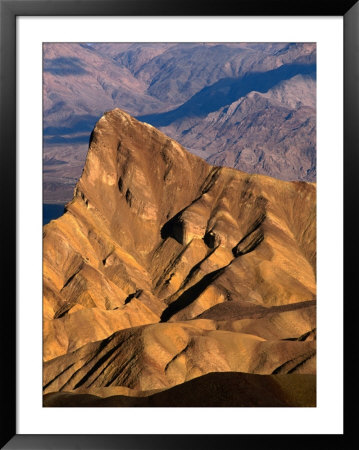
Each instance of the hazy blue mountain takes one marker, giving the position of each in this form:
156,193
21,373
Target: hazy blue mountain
192,91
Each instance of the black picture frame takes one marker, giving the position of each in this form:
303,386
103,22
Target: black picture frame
9,10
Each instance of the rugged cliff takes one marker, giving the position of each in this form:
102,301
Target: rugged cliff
165,268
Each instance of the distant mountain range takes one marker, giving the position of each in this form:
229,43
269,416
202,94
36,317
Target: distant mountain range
248,106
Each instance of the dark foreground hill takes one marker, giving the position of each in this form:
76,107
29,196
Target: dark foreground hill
212,390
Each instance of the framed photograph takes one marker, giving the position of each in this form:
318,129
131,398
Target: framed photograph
174,179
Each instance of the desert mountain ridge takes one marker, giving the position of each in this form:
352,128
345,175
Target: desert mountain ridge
165,268
191,92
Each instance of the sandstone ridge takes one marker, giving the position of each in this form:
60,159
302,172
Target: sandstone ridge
165,268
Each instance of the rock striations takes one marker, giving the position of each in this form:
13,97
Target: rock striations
164,269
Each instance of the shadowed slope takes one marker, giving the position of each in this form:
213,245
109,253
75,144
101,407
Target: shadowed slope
212,390
226,91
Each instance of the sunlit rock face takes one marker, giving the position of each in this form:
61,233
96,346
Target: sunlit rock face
165,268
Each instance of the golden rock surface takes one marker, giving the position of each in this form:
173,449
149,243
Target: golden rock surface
164,269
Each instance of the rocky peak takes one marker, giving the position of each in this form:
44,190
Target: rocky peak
155,238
